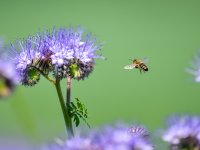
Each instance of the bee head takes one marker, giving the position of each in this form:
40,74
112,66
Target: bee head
132,59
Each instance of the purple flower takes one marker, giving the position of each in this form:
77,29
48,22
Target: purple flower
110,138
76,143
81,143
195,68
183,132
27,55
64,51
72,53
120,138
8,75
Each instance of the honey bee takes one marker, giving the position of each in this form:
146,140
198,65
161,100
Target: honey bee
137,63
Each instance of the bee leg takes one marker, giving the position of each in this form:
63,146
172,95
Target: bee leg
140,70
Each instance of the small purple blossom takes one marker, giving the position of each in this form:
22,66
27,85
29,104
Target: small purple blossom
183,132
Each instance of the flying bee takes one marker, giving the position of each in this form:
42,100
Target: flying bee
43,63
137,63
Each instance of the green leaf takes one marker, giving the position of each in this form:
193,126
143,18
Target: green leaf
76,120
77,111
73,105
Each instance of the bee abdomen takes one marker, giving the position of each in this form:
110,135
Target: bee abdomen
144,67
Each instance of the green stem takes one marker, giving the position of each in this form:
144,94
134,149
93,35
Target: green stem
65,111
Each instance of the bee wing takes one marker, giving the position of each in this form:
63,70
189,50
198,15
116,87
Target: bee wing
145,60
129,66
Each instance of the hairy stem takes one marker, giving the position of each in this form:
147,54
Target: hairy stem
65,111
68,96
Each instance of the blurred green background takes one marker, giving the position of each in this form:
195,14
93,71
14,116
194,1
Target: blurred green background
167,32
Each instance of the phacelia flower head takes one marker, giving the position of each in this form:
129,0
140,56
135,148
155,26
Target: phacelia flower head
195,67
183,133
8,75
28,57
72,53
120,138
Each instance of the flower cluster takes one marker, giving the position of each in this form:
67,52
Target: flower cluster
183,133
111,138
8,75
66,52
71,53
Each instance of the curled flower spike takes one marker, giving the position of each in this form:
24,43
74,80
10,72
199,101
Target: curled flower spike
30,60
138,131
72,53
183,133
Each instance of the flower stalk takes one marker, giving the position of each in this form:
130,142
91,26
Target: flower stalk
65,111
68,96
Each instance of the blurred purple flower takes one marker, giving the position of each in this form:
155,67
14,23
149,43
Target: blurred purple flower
111,138
76,143
183,132
15,144
120,138
8,74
